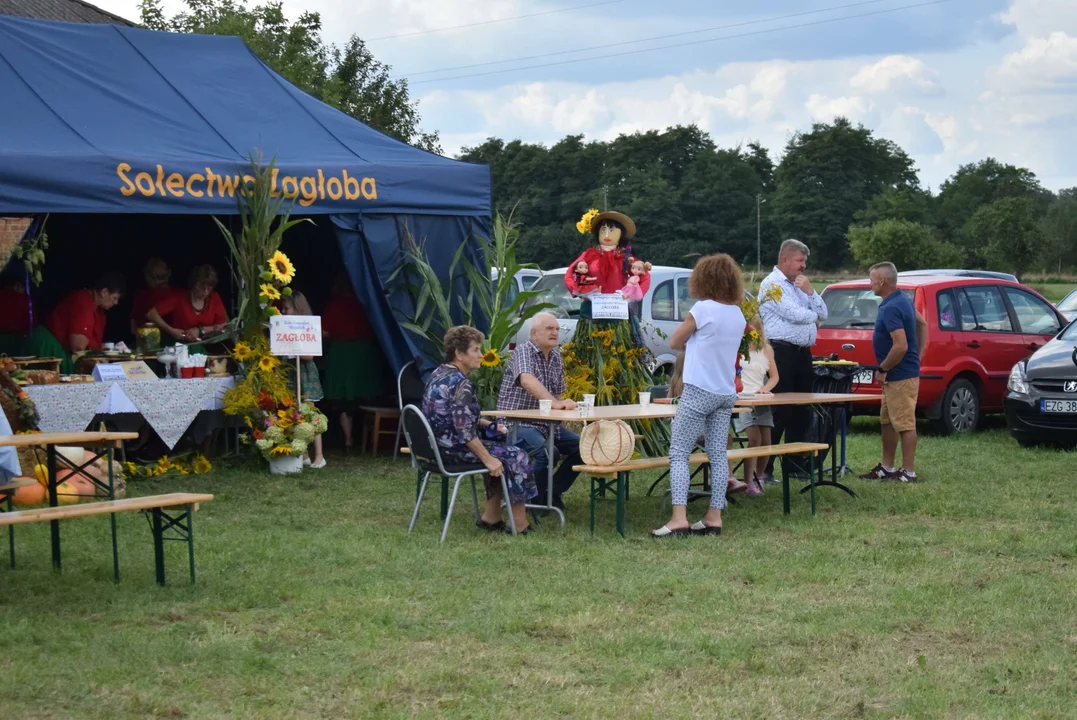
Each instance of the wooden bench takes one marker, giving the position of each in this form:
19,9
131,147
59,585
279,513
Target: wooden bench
616,477
173,511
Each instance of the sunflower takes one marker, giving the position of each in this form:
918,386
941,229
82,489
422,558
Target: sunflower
268,363
242,351
281,267
491,358
201,465
270,292
280,451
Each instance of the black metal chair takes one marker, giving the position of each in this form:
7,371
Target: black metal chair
409,391
427,459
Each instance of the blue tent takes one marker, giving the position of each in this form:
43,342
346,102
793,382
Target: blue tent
110,119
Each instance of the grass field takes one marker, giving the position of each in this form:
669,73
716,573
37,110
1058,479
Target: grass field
956,597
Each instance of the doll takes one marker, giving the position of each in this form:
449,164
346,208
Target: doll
584,280
632,289
612,233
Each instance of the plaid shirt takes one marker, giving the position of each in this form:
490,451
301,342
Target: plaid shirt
527,358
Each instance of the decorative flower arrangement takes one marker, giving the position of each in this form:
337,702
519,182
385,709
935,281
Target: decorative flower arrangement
487,379
197,464
584,225
264,399
275,283
752,340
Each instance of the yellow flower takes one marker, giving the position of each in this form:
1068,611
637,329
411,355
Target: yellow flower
491,358
584,225
607,341
268,363
281,267
242,351
270,292
201,465
620,349
280,451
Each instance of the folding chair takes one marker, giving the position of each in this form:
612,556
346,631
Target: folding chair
427,458
409,391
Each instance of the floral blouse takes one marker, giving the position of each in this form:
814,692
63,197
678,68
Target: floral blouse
450,405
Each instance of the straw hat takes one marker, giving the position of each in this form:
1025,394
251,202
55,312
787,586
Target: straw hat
624,220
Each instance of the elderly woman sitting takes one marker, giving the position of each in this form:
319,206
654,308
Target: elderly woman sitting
463,437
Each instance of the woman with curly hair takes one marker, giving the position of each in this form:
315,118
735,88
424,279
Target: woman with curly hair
710,338
463,436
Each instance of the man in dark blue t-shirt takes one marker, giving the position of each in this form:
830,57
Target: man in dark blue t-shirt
899,341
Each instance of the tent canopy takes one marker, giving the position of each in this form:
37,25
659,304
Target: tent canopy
109,119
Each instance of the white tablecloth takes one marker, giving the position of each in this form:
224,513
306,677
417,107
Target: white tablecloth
169,406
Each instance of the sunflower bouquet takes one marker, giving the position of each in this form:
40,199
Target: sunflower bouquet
487,379
752,339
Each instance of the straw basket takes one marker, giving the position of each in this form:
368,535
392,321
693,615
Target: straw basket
606,442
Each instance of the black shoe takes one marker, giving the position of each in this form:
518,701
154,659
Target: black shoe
490,527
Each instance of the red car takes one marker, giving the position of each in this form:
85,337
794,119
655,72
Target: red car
978,329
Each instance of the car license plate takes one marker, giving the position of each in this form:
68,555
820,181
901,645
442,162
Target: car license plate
864,377
1058,406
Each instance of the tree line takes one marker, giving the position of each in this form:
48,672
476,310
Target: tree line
854,198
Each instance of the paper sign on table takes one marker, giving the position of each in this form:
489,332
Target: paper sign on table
295,335
108,372
137,370
608,306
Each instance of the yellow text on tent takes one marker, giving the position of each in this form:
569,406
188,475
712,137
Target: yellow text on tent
306,189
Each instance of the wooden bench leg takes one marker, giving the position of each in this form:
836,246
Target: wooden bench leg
112,521
622,495
158,546
54,529
183,524
11,531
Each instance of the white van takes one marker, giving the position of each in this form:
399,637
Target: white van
664,307
525,278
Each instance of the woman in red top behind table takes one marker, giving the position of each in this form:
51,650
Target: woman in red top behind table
14,311
157,275
188,317
77,324
356,372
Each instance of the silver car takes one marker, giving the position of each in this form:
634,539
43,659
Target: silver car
664,307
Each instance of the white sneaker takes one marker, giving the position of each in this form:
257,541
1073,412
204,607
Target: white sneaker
318,465
306,461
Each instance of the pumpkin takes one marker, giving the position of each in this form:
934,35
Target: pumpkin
67,493
76,455
29,495
41,472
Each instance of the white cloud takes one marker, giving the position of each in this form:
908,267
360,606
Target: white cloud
1037,18
894,71
824,109
1047,62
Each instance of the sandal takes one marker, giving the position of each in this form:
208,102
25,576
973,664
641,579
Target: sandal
700,529
664,531
490,527
735,486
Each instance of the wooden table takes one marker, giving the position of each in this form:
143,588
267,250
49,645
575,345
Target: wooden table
110,440
651,411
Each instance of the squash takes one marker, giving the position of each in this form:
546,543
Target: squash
67,493
76,455
29,495
41,473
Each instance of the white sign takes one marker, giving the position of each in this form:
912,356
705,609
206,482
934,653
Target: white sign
608,306
108,372
295,335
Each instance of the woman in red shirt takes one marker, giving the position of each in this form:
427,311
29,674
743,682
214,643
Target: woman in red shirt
187,317
77,323
157,275
356,371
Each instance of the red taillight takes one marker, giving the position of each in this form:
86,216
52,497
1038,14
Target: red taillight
919,303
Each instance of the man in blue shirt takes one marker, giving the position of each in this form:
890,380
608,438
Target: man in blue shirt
899,341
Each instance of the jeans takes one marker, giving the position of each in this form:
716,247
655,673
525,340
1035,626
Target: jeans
567,446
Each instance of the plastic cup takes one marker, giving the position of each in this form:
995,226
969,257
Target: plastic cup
545,406
199,372
186,372
644,398
589,400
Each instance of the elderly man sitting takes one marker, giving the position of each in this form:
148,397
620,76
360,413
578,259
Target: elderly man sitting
536,372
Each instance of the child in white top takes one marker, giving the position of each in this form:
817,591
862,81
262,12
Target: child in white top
758,376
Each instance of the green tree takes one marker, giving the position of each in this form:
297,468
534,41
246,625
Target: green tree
909,245
1060,231
1010,231
826,176
908,203
976,185
349,78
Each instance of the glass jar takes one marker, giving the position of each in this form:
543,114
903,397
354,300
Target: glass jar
148,339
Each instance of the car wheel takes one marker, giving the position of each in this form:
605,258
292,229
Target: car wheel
960,408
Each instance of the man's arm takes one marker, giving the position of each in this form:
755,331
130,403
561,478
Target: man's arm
921,335
537,390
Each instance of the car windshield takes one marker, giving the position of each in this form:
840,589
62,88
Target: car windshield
1069,303
1070,333
551,289
852,307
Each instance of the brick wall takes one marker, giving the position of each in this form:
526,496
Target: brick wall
11,231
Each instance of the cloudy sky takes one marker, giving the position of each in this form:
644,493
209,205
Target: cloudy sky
951,81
